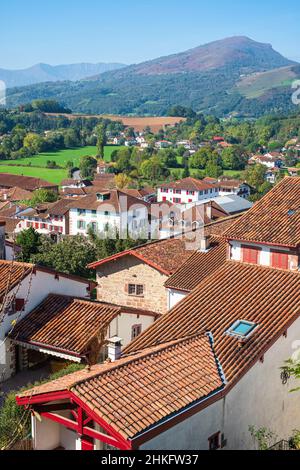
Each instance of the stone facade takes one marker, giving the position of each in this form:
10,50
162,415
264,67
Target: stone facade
113,279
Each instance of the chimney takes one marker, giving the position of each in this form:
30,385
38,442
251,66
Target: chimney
204,243
209,210
114,348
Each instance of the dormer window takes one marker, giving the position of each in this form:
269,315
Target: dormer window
102,196
242,329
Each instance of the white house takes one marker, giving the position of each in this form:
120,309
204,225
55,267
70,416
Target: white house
47,219
187,191
109,210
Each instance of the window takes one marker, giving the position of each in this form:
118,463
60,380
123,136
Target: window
178,191
94,213
81,211
214,442
107,213
136,331
279,260
81,225
136,289
190,193
15,306
242,329
177,200
164,190
250,254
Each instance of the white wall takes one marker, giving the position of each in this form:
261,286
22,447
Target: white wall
122,325
265,255
174,297
187,198
46,434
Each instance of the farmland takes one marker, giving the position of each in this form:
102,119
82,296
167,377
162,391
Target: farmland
36,166
138,123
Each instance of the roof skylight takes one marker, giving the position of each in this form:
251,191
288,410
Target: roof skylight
242,329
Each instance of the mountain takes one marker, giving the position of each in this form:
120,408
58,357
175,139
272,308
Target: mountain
48,73
232,76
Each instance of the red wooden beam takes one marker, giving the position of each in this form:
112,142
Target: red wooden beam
53,408
44,398
99,436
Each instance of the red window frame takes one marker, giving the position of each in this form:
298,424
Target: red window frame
250,254
279,260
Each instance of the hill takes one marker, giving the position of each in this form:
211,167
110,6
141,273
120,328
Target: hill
47,73
210,78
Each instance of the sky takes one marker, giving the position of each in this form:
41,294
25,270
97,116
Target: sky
132,31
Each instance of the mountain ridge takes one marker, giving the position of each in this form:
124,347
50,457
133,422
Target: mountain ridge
42,72
205,78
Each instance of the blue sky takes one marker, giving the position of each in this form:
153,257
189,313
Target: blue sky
130,31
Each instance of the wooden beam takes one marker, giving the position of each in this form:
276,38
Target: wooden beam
99,436
55,407
68,423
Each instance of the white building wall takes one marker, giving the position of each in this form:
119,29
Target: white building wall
122,325
185,197
265,254
259,399
46,434
174,297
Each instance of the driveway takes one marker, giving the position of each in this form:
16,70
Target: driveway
22,379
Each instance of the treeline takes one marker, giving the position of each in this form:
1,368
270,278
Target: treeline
26,133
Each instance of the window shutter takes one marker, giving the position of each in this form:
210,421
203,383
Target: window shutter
280,260
250,255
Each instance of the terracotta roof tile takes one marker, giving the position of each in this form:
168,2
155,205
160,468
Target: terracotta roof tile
141,390
199,266
190,184
8,180
237,291
11,273
275,219
65,323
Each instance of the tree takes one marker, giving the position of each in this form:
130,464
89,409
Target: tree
87,166
29,242
255,176
232,159
153,169
33,142
122,181
100,131
212,170
70,256
42,196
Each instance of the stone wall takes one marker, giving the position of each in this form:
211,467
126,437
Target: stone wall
114,277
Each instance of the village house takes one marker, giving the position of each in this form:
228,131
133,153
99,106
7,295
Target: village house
105,211
163,144
270,160
229,186
211,367
137,277
187,190
15,195
23,287
47,219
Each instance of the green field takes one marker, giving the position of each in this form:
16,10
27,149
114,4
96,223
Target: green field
61,158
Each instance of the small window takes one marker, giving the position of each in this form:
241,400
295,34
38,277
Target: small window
136,289
250,254
214,441
242,329
280,260
136,331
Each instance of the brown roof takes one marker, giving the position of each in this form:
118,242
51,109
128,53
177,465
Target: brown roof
237,291
140,193
275,219
91,202
11,273
199,266
189,184
168,255
66,324
15,194
7,180
139,391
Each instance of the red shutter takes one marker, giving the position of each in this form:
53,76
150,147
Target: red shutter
250,255
280,260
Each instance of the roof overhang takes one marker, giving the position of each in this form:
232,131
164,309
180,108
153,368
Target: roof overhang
50,350
256,242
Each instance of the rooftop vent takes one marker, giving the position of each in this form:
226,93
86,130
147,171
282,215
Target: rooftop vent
242,329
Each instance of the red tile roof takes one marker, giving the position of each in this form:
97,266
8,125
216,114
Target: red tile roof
8,180
237,291
91,202
168,255
199,266
11,274
70,325
275,219
139,391
189,184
